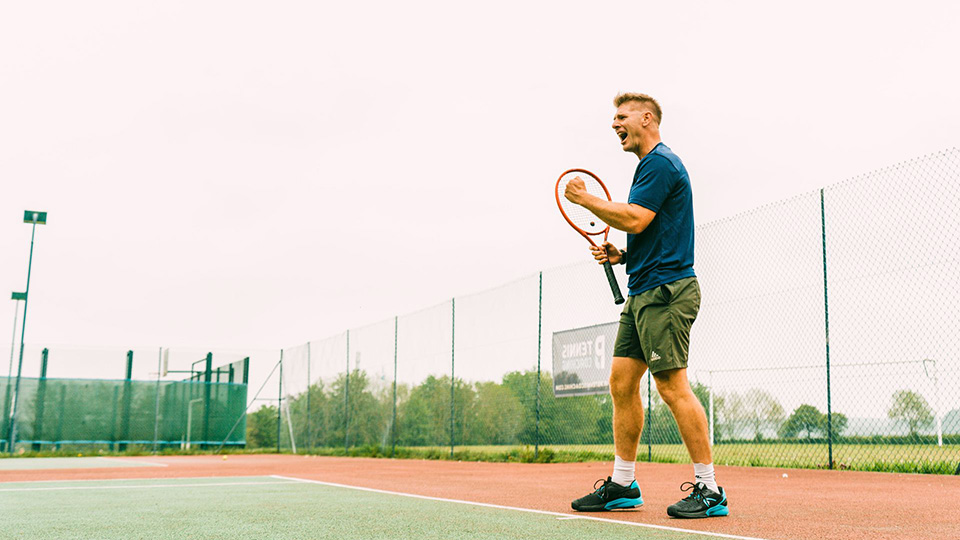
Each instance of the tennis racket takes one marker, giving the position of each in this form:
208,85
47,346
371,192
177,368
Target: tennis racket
584,221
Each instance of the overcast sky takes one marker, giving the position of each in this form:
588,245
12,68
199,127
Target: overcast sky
258,174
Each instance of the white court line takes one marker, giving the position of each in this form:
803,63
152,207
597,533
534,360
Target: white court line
154,486
147,463
531,510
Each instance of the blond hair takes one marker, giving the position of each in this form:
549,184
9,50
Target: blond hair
639,98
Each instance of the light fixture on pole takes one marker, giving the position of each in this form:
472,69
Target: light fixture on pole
36,218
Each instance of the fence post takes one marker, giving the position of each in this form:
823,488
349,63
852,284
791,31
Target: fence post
156,407
309,440
453,384
393,425
41,401
346,402
280,402
113,423
826,322
536,439
63,407
127,399
650,423
206,399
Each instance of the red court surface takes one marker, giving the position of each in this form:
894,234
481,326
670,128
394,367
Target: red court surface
807,504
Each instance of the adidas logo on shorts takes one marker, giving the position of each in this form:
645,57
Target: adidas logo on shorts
654,356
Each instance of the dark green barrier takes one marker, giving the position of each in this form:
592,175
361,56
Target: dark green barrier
57,412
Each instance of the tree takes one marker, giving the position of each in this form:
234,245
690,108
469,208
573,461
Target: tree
838,424
910,408
762,409
805,419
730,414
424,417
499,415
523,386
262,427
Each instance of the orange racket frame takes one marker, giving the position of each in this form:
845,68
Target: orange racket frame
607,267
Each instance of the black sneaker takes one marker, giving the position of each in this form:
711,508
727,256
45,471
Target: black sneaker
609,496
702,502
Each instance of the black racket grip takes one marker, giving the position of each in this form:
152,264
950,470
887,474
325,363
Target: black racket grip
614,286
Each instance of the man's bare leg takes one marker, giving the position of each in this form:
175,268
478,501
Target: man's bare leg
620,491
625,375
675,390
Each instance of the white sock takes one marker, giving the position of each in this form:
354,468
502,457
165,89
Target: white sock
623,471
704,473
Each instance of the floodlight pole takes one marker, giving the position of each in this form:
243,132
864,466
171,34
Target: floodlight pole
34,218
17,297
13,338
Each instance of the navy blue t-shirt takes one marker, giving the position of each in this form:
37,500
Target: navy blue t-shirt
663,252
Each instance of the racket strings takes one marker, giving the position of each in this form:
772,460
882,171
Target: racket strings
582,218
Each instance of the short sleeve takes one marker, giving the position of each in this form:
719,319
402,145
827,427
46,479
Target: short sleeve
655,179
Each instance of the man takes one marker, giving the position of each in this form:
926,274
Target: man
655,324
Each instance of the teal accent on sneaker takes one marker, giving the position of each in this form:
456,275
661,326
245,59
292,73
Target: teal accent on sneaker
717,511
625,502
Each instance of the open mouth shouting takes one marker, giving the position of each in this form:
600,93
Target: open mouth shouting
623,136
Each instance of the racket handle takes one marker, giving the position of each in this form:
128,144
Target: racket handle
614,286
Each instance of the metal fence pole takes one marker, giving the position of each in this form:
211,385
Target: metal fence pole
650,423
309,440
115,413
453,343
41,401
156,409
207,389
826,322
393,425
536,440
346,402
280,402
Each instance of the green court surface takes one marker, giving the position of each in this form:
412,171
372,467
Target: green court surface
277,508
27,464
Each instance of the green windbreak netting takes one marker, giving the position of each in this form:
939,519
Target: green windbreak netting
118,413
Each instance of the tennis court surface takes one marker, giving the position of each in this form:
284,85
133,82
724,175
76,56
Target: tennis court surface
287,496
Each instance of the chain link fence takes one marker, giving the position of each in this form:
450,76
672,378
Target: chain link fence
827,337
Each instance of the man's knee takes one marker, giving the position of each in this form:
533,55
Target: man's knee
672,385
622,390
625,379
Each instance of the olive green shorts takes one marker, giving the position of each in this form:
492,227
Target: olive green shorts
655,325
